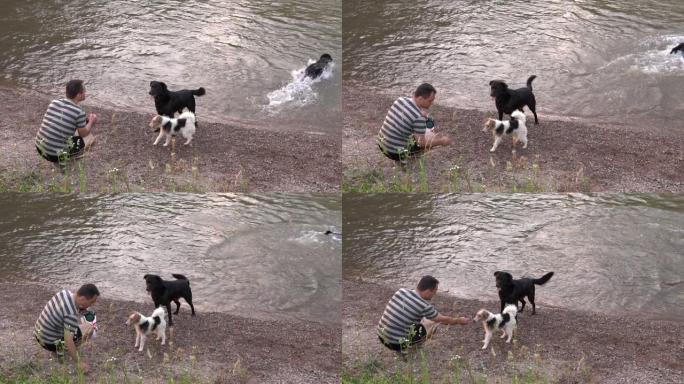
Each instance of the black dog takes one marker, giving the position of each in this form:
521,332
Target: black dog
679,48
165,291
169,102
508,100
316,69
511,291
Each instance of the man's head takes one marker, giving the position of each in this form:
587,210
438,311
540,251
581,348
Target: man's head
75,90
86,296
424,95
427,287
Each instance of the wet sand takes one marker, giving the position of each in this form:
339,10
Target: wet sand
211,347
221,158
562,154
566,346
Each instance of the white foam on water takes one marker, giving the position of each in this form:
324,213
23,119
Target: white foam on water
655,58
310,237
299,91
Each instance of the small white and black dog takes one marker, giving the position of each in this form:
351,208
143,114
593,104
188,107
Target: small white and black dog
144,326
183,125
515,127
505,321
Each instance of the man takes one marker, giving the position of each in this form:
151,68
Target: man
58,328
403,323
65,132
407,129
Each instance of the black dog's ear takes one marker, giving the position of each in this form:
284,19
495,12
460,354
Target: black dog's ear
145,277
163,86
497,273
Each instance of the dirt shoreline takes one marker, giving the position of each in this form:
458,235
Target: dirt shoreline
565,345
212,347
221,158
562,155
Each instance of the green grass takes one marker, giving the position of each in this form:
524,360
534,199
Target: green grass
111,371
516,175
72,177
30,374
168,366
519,367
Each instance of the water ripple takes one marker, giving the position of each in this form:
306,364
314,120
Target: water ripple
609,252
593,59
273,243
229,47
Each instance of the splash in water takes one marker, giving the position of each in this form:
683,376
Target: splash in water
651,57
319,237
299,91
657,59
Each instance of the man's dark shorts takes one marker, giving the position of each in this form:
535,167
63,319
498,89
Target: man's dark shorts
412,150
59,345
419,337
74,151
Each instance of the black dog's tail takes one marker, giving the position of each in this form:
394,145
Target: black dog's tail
181,277
541,281
529,81
199,91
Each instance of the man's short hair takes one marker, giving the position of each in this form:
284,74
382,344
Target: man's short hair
73,88
424,90
427,282
88,291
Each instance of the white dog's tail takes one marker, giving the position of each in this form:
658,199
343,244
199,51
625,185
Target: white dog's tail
187,114
519,115
161,312
511,310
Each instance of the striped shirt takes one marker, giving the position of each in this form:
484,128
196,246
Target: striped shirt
405,308
60,123
59,314
402,121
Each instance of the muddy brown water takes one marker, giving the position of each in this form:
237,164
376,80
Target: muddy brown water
610,253
603,61
261,256
248,55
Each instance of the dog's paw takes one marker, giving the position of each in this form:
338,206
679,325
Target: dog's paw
492,150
